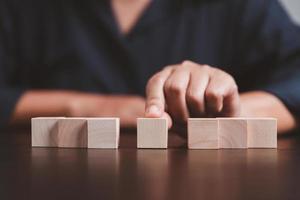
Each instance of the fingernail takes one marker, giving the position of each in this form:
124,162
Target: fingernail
153,110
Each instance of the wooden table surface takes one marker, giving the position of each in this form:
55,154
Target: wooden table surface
129,173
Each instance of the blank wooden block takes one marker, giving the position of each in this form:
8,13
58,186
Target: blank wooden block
44,131
152,133
203,133
72,132
262,133
232,133
103,133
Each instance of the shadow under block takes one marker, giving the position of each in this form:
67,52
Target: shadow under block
262,133
152,133
44,131
72,132
103,133
203,133
232,133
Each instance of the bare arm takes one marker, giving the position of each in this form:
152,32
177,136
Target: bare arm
77,104
263,104
128,108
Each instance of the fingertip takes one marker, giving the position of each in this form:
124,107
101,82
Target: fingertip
153,111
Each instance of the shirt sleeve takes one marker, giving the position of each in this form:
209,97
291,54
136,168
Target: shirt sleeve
10,92
271,41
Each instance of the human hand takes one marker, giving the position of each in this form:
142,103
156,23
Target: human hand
191,90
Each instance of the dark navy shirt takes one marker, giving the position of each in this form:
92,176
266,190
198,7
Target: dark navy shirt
77,45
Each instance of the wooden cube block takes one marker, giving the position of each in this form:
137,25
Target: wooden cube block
152,133
103,133
44,131
262,133
203,133
72,132
232,133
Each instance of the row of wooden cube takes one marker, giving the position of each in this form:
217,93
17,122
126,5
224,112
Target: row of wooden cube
203,133
232,133
212,133
94,132
75,132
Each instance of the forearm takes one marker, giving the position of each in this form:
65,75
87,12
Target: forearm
263,104
42,103
77,104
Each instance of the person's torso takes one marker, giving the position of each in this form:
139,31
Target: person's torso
76,44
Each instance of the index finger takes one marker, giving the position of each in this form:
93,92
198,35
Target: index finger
155,98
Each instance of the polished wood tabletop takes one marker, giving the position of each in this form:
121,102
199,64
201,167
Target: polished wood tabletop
130,173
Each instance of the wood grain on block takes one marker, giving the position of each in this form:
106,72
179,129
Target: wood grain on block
262,133
232,133
44,131
72,132
203,133
103,133
152,133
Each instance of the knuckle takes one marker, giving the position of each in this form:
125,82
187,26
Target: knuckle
187,62
235,88
157,78
174,88
215,72
230,79
168,67
194,99
224,75
195,66
206,69
213,95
